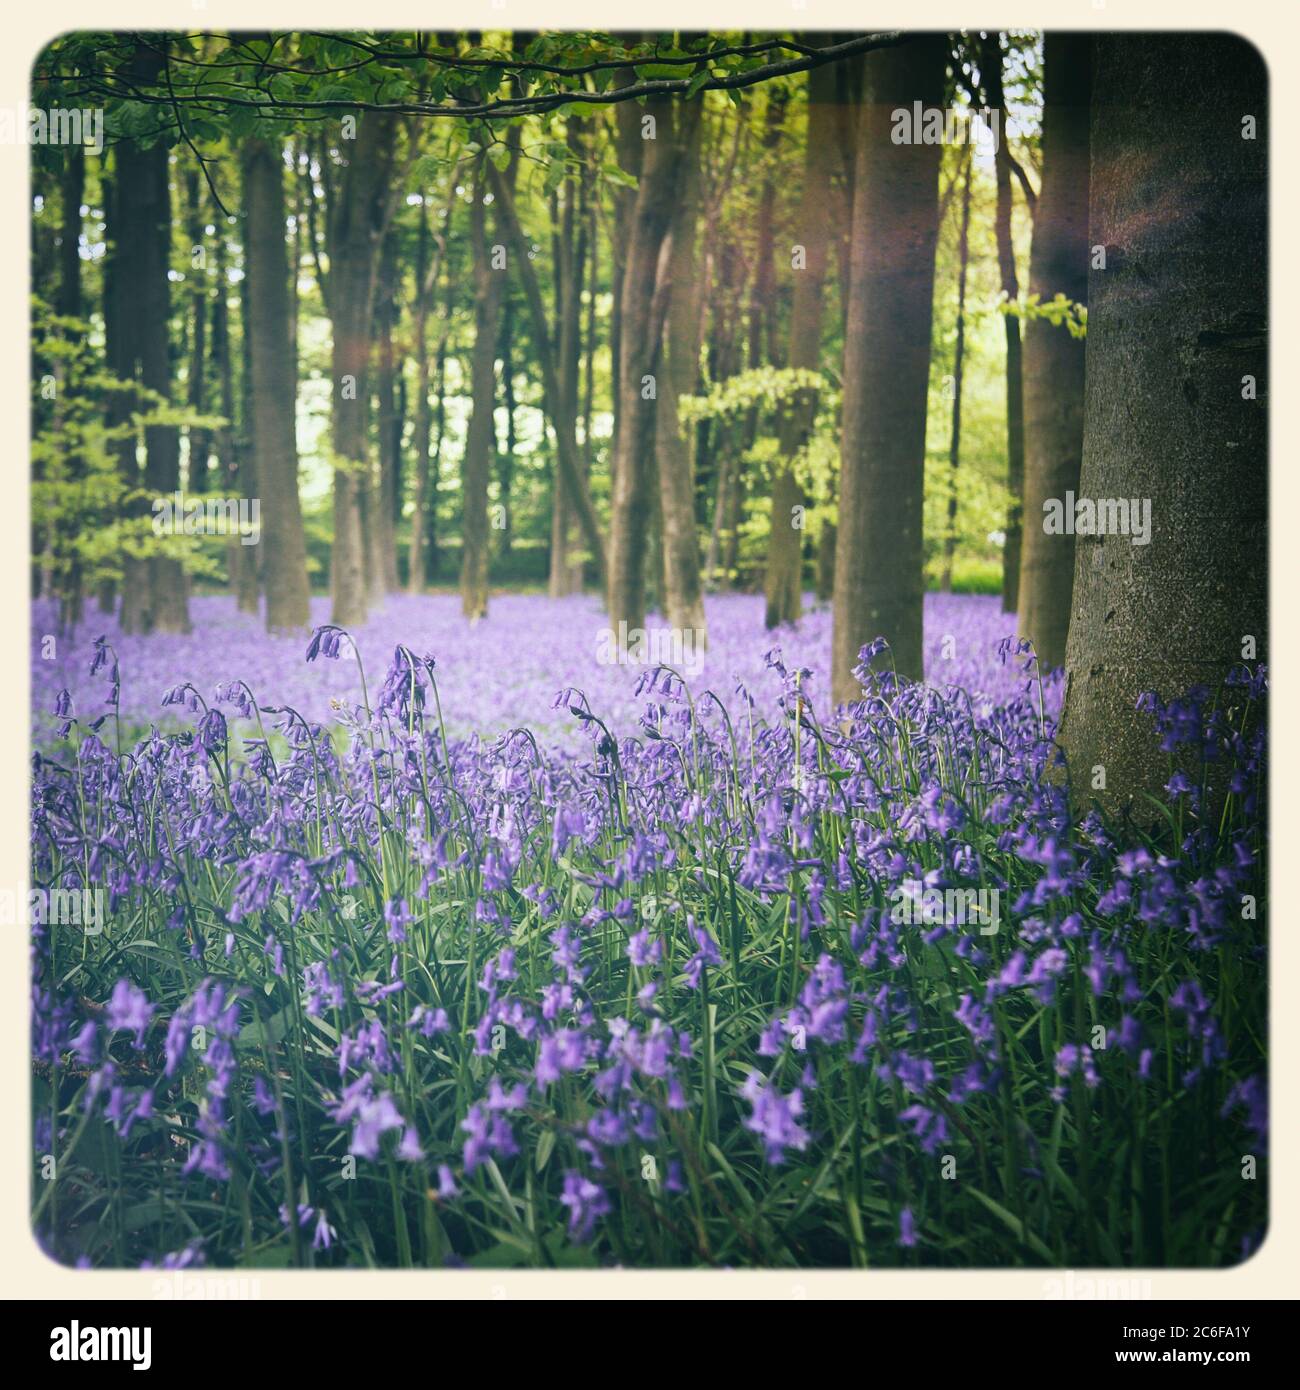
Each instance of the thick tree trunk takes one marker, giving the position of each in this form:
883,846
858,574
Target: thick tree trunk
1175,415
1054,358
354,232
269,327
682,598
958,374
154,595
784,576
633,499
991,65
480,436
878,555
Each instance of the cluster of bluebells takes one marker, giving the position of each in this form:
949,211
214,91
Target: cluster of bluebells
457,961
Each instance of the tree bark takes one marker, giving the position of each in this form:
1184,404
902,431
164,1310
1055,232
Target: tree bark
958,373
633,499
358,212
783,581
269,327
480,436
991,71
565,571
154,597
878,555
1054,359
682,598
388,420
1177,352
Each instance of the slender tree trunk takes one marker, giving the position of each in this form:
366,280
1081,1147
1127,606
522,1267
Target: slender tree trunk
633,499
383,545
879,582
480,436
269,328
426,272
958,373
245,562
1054,358
565,571
1175,413
199,439
783,580
991,65
682,595
72,189
505,449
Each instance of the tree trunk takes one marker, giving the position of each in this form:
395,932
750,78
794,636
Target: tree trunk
388,419
269,327
72,187
633,502
783,581
682,598
1054,358
958,372
1177,352
154,597
199,440
565,571
245,562
354,231
480,436
991,71
505,449
879,582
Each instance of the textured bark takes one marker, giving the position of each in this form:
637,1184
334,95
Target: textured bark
358,211
682,598
388,420
269,327
1054,360
245,560
199,440
428,265
1176,320
480,436
783,581
958,375
72,184
991,66
566,571
878,554
633,499
154,591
